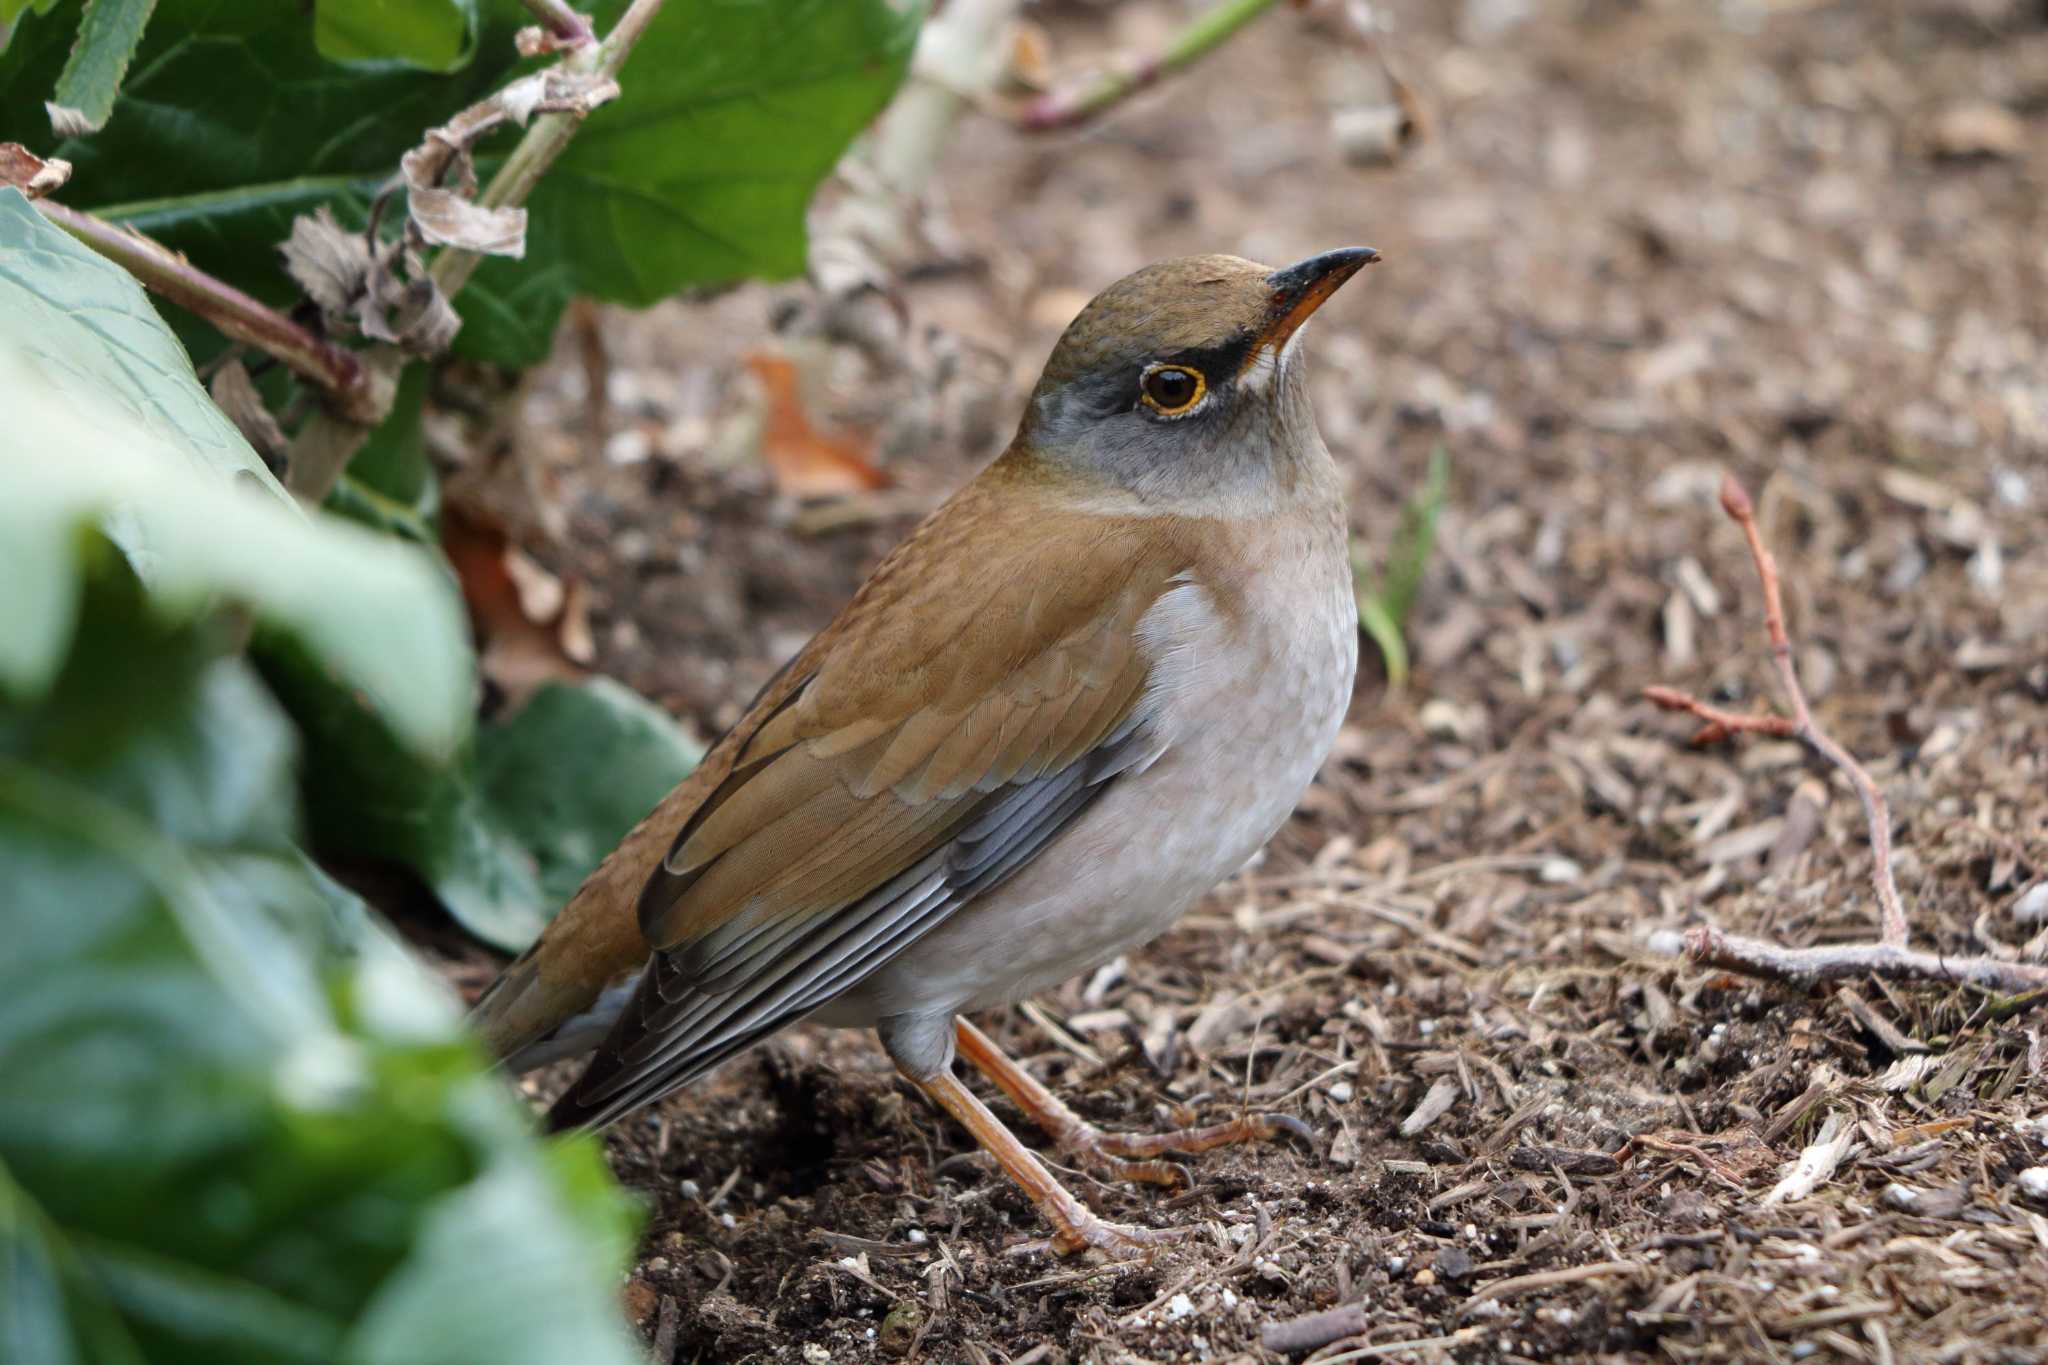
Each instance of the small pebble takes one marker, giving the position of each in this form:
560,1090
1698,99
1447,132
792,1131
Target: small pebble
1179,1306
2033,1182
1425,1277
1341,1092
630,446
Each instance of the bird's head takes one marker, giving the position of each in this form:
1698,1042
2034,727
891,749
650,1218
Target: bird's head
1182,382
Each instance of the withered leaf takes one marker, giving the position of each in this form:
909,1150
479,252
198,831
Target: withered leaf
33,175
329,262
234,393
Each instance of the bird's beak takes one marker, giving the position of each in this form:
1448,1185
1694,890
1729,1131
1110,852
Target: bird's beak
1301,288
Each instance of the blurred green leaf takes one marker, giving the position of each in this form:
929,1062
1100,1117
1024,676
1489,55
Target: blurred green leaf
110,430
1384,602
236,1121
391,485
506,833
107,38
576,768
434,35
232,122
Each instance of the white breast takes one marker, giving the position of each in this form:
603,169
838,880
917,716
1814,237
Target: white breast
1247,707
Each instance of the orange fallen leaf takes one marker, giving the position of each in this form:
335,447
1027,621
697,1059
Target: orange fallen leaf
527,632
806,463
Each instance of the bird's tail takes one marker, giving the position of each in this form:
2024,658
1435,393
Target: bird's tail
552,992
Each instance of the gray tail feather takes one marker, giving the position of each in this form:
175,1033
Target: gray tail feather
579,1035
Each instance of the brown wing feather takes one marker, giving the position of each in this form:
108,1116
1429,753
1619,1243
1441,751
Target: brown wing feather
937,735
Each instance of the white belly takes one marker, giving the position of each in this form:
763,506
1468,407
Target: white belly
1248,711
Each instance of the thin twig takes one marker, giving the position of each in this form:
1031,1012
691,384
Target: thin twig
545,140
1313,1331
1204,34
1889,957
1517,1285
333,369
1712,948
566,27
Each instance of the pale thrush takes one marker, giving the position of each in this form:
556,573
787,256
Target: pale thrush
1085,690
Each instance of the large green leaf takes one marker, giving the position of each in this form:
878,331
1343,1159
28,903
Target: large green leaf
107,39
231,122
108,429
236,1122
434,35
506,833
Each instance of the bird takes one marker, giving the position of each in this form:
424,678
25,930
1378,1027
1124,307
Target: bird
1087,688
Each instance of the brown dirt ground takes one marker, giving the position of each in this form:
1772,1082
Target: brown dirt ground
1641,243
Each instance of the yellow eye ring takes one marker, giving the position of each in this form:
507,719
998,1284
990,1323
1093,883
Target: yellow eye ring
1172,390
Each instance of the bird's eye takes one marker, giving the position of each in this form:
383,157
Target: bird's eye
1172,390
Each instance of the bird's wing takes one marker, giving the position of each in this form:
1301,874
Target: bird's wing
975,697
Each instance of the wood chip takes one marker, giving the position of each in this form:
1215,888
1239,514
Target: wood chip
1817,1163
1877,1026
1434,1106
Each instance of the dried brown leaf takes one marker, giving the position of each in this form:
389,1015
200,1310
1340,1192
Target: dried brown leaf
33,175
330,263
235,394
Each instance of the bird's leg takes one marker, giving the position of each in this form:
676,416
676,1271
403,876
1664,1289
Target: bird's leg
1075,1227
1120,1156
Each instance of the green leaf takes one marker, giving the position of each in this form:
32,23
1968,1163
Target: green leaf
434,35
505,834
1383,605
231,122
575,769
109,430
391,485
700,173
10,10
107,39
1385,632
240,1123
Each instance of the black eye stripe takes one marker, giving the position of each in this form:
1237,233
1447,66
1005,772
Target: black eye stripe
1220,362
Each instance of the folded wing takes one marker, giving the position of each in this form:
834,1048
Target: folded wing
934,740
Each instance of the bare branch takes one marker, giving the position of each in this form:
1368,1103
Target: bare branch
1889,957
332,369
1754,957
547,138
1204,34
562,29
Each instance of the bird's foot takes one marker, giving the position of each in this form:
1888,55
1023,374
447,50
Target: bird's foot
1139,1157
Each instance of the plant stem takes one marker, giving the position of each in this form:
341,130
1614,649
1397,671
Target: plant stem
545,140
1203,35
328,441
333,369
568,27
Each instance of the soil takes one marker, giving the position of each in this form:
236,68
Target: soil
1636,245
